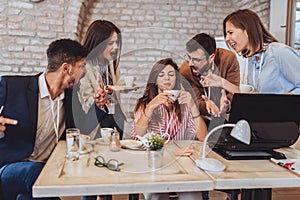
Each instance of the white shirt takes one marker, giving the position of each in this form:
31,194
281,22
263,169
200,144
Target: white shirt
49,127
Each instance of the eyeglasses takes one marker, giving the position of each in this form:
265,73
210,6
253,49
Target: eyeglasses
112,164
188,58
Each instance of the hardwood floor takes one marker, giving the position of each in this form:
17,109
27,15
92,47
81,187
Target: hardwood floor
286,194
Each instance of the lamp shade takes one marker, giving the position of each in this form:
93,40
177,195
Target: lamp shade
241,131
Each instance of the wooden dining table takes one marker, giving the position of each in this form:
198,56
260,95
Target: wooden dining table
64,177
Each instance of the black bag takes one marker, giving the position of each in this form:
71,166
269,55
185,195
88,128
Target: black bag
264,136
274,122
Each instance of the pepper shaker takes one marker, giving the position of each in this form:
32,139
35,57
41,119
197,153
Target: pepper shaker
115,144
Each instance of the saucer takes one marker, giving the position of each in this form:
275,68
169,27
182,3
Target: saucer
124,88
101,141
131,144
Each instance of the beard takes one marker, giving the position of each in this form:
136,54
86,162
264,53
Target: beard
205,68
202,71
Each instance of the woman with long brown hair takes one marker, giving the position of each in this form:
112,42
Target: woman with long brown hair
273,67
104,42
160,111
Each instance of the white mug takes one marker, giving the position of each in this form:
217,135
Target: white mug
175,94
106,133
129,80
246,88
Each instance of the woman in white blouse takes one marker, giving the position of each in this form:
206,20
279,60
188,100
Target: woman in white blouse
103,41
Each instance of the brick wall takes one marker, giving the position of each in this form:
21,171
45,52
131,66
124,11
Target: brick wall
151,30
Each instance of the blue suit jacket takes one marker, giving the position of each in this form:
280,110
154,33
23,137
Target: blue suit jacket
19,95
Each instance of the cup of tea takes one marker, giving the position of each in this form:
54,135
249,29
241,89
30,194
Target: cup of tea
245,88
129,80
106,133
175,94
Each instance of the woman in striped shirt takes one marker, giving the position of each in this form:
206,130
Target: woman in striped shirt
157,110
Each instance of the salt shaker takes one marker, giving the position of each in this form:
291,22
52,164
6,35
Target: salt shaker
115,144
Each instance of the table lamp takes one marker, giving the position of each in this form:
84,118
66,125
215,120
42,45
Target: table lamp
241,131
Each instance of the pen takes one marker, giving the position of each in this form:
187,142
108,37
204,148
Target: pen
1,109
287,165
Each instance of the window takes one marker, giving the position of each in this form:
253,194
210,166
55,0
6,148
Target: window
297,27
293,24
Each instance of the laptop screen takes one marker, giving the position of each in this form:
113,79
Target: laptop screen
265,108
273,118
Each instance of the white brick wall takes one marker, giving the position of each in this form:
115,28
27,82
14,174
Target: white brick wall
151,29
27,28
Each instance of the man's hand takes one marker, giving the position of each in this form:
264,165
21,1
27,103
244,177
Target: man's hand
224,102
211,107
4,121
211,80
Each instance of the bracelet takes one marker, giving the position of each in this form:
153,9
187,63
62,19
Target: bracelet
194,117
148,118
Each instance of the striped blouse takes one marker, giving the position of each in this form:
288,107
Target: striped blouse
162,121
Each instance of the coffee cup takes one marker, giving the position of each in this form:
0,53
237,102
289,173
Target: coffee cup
246,88
175,94
106,133
129,81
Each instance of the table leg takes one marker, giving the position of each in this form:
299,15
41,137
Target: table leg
231,194
106,197
205,195
133,197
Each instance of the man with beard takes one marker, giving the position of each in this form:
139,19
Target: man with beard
202,59
35,111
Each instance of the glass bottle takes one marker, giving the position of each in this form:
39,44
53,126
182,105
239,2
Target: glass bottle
115,144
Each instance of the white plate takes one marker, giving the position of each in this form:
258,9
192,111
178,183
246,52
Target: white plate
124,88
101,141
131,143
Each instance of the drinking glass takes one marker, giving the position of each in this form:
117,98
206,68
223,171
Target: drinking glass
72,137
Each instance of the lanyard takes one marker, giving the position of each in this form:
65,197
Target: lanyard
209,71
257,71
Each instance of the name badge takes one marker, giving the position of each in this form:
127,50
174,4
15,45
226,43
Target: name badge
111,108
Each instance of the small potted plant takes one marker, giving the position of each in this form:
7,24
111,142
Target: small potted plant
155,146
155,142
